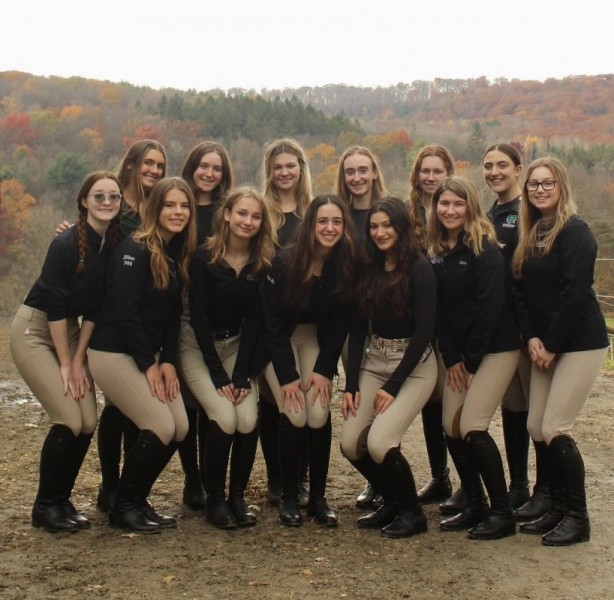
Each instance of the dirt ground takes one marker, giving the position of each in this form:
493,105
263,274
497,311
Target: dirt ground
197,561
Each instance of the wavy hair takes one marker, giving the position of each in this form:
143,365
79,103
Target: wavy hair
302,252
129,168
261,246
416,196
150,235
193,160
476,227
378,287
303,191
533,227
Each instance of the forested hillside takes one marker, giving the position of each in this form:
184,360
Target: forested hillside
53,130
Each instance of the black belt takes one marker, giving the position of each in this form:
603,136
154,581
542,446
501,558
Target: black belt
224,335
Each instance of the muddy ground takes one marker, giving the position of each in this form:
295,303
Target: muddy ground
197,561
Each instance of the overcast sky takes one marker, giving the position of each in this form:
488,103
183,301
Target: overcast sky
187,44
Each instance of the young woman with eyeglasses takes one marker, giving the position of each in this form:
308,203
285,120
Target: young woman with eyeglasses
565,333
133,348
478,345
306,295
49,347
387,386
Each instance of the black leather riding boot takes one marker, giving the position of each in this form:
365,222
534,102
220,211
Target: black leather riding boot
241,464
516,438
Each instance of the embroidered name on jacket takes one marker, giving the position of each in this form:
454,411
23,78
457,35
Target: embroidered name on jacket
128,260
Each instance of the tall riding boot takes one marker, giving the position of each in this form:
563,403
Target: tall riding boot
193,490
516,438
216,465
155,468
385,514
303,474
558,502
73,466
131,434
439,488
575,526
410,519
203,430
268,429
290,444
110,431
539,502
476,507
485,455
55,453
135,482
241,464
319,458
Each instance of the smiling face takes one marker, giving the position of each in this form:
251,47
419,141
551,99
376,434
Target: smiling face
543,200
451,212
152,168
382,232
359,175
432,171
100,213
175,214
329,226
244,218
286,172
501,174
209,172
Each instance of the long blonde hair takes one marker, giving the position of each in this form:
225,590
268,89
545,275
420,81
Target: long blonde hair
149,233
262,245
533,227
476,227
303,192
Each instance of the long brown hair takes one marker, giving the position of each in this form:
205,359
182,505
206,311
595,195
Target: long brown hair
262,246
301,255
379,187
149,233
193,160
416,195
113,231
533,226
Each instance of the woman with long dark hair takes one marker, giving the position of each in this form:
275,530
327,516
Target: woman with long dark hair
306,294
49,347
387,385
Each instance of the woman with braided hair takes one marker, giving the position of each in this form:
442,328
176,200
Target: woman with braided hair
49,347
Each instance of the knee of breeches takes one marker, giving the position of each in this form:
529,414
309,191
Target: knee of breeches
296,419
549,433
167,432
348,449
378,449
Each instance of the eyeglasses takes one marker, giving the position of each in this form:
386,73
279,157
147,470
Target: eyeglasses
547,185
100,197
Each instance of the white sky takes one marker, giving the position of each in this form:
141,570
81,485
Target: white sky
259,44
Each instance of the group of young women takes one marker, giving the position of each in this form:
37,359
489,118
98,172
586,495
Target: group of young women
211,315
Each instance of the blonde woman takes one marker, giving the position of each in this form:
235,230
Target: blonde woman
565,333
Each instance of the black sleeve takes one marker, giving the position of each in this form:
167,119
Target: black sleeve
490,290
578,249
359,326
450,354
56,277
424,293
336,333
200,322
278,339
170,343
521,311
131,266
250,331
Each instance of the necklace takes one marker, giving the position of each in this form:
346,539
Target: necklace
237,265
